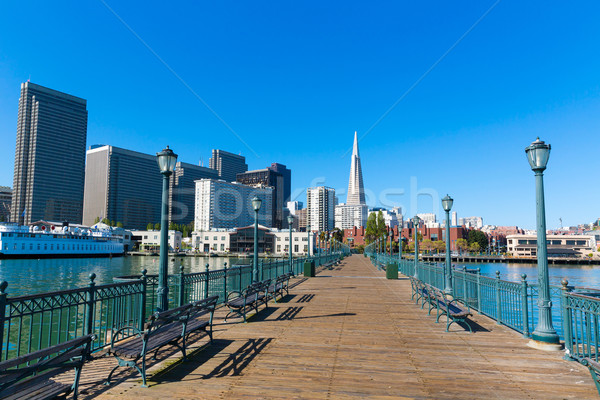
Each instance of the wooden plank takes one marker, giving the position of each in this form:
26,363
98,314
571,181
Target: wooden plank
351,334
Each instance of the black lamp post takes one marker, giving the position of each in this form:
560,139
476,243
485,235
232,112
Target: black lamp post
166,163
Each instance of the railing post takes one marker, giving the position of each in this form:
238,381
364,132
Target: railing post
144,299
181,286
478,290
239,280
3,287
498,305
89,305
261,273
525,310
566,319
465,284
206,281
225,282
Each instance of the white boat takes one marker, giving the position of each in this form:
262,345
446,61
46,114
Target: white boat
17,241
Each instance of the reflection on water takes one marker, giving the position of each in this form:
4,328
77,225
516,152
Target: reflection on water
578,275
46,275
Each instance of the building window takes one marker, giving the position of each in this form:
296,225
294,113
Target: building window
214,238
205,237
570,242
222,237
279,248
295,248
296,239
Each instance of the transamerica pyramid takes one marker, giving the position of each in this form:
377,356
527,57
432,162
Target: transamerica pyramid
356,191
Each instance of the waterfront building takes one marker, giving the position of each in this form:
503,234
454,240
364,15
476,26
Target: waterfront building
268,178
392,217
471,222
49,156
241,240
320,208
5,200
350,216
150,240
227,164
558,245
356,190
182,194
221,204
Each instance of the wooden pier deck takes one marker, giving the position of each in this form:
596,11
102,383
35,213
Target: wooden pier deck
351,334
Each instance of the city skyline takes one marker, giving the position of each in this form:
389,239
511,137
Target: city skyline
461,130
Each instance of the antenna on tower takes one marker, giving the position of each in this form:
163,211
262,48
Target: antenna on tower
560,219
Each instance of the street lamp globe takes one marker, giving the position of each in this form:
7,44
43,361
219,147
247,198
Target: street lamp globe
537,155
166,161
256,203
290,219
416,221
447,203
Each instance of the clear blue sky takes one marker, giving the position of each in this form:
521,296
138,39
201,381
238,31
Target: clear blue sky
294,80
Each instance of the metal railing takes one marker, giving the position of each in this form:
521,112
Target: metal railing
575,311
34,322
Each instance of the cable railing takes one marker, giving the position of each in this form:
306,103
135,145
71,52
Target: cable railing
34,322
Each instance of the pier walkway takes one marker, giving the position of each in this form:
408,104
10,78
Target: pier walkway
350,333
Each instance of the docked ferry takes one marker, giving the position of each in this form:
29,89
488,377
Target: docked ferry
51,241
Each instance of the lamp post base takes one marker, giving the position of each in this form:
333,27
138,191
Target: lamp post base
539,345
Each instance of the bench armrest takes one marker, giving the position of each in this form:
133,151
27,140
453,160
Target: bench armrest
115,335
234,295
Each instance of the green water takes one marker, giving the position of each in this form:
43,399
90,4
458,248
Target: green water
46,275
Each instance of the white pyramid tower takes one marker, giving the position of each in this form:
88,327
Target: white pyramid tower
356,191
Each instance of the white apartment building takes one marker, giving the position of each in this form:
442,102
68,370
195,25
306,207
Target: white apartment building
150,240
453,219
221,204
471,222
274,241
558,245
391,217
350,216
429,220
320,208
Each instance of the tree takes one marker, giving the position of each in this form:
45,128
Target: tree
112,222
426,245
462,244
173,226
157,226
338,235
381,228
439,246
479,237
96,220
150,226
105,221
371,231
119,225
474,247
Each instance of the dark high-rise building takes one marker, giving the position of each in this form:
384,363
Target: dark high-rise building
123,186
287,179
268,178
126,186
228,165
5,200
49,156
183,191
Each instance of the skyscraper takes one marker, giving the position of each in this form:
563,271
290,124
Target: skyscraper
227,164
320,208
356,191
268,178
287,179
49,156
126,186
229,205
